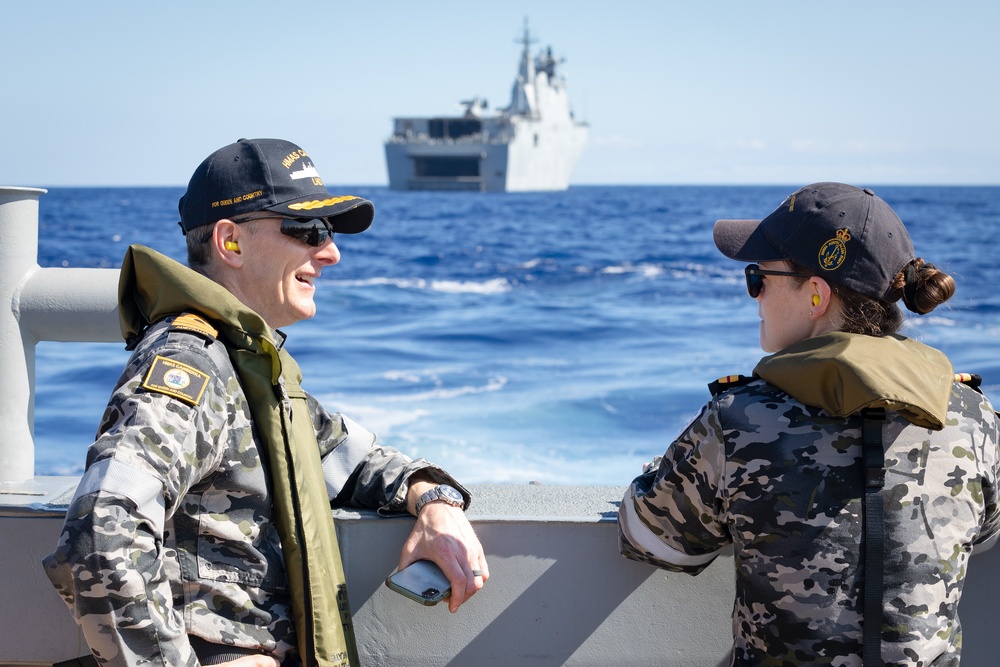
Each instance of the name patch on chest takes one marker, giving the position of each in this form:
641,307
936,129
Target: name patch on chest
173,378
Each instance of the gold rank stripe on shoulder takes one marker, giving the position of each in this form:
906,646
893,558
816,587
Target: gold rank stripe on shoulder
970,379
173,378
191,322
728,382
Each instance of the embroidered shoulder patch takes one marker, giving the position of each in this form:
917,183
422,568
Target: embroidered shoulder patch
191,322
173,378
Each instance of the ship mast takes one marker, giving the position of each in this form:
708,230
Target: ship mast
527,70
522,94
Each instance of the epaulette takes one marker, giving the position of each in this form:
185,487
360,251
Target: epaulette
192,322
974,381
175,378
970,379
727,382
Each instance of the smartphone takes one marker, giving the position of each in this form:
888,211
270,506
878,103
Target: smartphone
422,581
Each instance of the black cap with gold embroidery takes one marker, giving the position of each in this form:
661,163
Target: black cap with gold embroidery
840,233
267,175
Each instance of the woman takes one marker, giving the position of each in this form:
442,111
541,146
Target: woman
773,464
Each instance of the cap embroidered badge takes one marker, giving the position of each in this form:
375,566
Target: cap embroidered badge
833,253
267,175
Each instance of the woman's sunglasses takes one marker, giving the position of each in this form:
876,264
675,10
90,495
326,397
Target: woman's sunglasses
312,231
755,278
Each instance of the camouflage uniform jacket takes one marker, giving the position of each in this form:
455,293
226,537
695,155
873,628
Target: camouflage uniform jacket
170,533
781,480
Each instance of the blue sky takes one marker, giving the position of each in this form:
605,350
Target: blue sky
138,93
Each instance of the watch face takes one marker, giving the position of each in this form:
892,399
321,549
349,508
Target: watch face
451,493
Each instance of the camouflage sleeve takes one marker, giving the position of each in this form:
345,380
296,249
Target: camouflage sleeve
669,516
989,535
360,472
110,564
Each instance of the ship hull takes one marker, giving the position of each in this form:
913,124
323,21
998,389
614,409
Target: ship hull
537,158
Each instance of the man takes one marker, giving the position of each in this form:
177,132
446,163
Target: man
201,532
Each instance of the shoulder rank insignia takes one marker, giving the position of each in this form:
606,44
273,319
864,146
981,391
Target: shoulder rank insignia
173,378
970,379
727,382
192,322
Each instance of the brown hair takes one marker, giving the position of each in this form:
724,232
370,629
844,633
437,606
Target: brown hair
921,286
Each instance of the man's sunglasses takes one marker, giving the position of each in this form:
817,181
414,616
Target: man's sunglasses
755,278
312,231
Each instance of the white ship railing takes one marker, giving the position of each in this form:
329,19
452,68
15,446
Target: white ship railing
559,594
45,304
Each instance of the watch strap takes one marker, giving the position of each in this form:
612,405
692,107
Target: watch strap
442,492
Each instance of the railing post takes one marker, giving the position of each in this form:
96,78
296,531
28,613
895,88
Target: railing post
18,257
68,305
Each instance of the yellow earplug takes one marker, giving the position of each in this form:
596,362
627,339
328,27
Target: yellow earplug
232,245
815,299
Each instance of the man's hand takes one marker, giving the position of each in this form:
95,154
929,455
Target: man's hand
444,535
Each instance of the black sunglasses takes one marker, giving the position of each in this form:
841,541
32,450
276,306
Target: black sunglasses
755,278
312,231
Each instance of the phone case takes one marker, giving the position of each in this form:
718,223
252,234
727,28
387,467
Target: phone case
422,581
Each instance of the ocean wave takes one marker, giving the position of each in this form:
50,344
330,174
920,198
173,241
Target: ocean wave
493,384
511,462
913,322
540,362
644,270
402,376
376,419
432,374
492,286
673,270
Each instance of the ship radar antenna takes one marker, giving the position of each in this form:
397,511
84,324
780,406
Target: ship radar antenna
526,38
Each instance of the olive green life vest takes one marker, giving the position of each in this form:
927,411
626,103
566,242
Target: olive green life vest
153,286
845,373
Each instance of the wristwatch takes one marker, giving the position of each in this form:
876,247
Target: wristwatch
442,492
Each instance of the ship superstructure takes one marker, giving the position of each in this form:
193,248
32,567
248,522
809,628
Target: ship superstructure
532,144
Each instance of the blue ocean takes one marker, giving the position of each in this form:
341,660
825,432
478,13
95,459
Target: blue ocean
563,338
